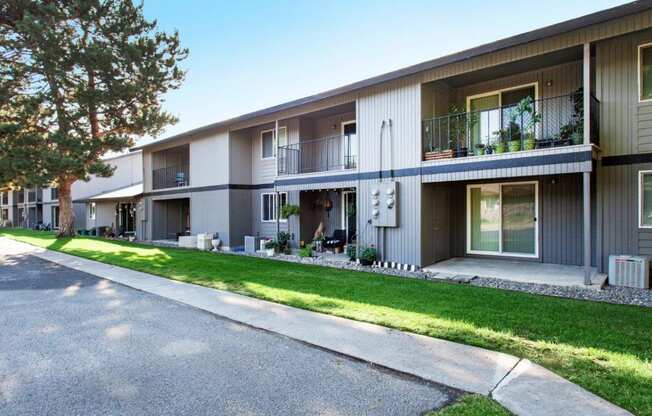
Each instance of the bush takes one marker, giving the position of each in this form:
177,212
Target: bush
368,256
271,244
306,251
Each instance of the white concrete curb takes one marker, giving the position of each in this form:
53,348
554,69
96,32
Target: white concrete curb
522,387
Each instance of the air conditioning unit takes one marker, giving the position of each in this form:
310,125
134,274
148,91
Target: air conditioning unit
630,271
251,243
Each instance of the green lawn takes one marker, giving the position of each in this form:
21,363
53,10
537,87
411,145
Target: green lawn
472,405
605,348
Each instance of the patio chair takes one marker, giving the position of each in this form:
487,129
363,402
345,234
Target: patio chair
338,239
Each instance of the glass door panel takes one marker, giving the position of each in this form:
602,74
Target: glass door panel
484,118
518,218
485,218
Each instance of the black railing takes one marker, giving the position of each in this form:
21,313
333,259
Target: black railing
320,155
170,177
530,124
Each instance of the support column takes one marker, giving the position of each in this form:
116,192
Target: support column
586,84
587,226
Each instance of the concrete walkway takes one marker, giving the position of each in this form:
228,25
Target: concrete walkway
521,386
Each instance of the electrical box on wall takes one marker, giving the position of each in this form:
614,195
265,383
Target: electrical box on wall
384,204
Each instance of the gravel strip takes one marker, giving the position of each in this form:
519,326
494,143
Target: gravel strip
610,294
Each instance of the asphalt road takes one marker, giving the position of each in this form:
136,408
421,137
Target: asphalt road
73,344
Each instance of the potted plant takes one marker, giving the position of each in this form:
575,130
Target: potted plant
478,149
530,142
489,149
577,137
270,248
525,112
514,145
351,251
368,256
500,147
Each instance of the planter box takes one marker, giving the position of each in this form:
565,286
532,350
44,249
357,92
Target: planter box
444,154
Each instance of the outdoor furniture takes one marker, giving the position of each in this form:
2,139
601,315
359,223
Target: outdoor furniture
337,240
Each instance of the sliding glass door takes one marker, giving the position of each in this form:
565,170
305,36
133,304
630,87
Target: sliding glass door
502,219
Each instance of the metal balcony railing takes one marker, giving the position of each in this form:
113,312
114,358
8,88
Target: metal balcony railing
319,155
171,177
530,124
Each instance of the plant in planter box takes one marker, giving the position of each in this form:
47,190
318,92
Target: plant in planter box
479,149
368,256
577,137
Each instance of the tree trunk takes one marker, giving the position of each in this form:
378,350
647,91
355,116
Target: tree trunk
66,213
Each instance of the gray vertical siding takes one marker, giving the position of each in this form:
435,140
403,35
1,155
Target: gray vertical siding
625,128
402,243
240,217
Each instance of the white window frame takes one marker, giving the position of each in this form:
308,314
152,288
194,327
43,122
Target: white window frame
639,73
92,210
500,251
275,210
274,142
641,173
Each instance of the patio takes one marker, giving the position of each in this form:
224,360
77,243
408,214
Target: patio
517,271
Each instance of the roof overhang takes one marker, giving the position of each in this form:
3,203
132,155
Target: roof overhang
127,193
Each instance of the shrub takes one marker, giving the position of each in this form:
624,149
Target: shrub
283,240
306,251
368,256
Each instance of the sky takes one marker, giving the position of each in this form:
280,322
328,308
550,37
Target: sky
246,55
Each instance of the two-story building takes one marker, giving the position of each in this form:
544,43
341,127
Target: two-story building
536,147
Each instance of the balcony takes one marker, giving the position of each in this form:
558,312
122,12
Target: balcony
319,155
528,125
171,177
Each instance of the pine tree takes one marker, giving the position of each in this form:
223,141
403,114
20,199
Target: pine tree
78,79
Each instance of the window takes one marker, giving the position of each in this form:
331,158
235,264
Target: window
269,143
645,199
54,194
645,72
502,219
5,215
93,210
268,206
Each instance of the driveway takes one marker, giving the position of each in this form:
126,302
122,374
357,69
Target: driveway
71,343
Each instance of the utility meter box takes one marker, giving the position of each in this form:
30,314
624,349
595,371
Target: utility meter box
384,204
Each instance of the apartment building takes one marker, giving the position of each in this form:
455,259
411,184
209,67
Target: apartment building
109,203
537,147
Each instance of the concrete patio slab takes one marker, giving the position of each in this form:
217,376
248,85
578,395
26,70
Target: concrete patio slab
460,366
531,389
517,271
